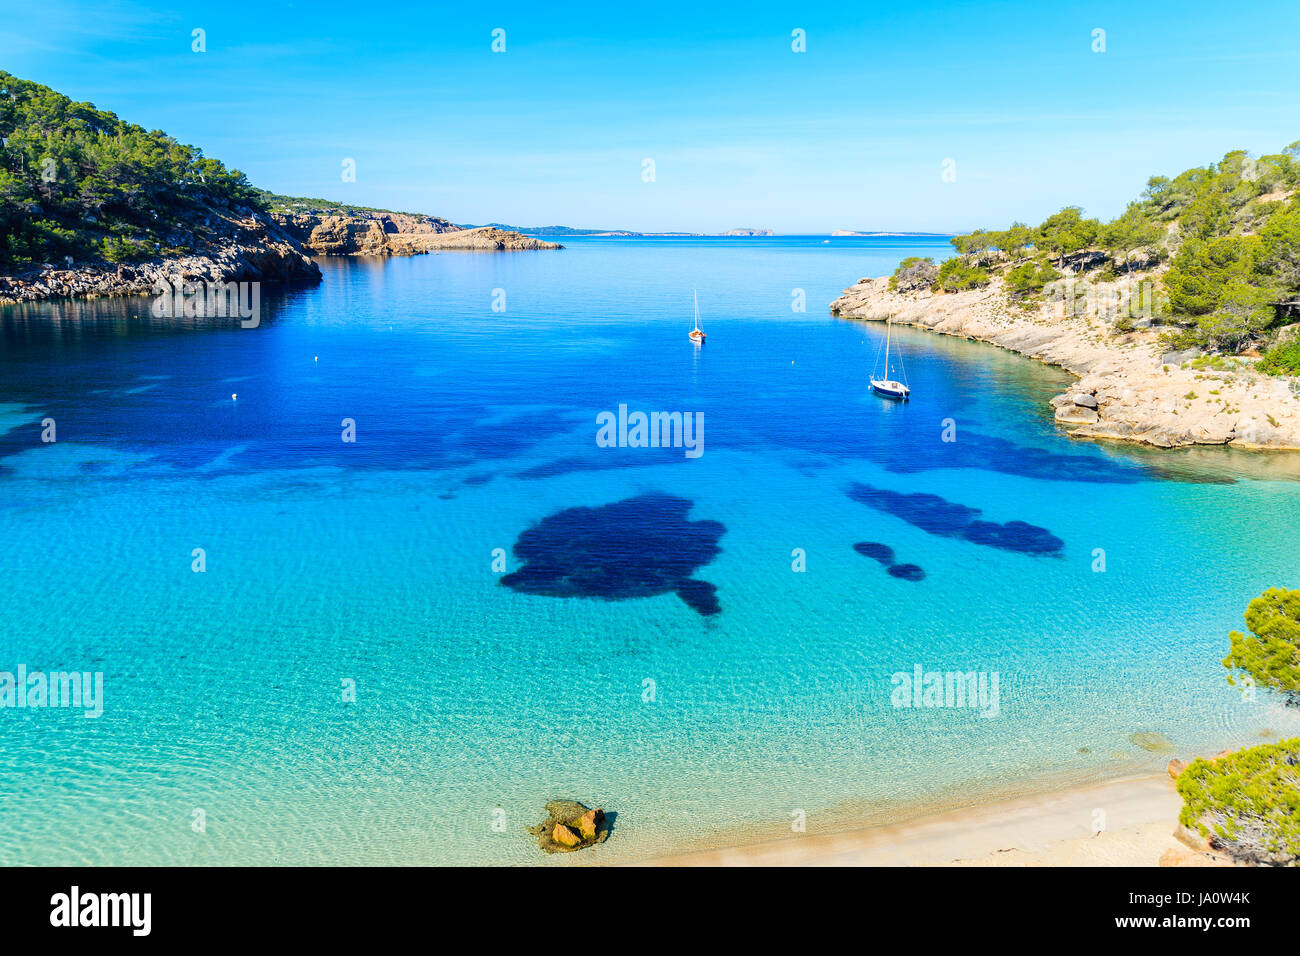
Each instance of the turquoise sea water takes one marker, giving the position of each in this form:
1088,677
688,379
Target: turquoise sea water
372,562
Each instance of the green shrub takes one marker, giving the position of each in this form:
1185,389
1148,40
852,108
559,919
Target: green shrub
1283,358
1247,803
1270,653
914,272
957,275
1029,278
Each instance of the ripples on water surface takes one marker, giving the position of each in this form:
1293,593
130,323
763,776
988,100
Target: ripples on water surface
373,562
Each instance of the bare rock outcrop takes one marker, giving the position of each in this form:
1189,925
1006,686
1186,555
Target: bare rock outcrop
248,247
356,233
1126,390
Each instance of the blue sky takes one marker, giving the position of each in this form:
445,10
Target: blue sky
852,133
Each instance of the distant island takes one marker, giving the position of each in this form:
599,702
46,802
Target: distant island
628,233
1181,316
850,232
91,205
739,231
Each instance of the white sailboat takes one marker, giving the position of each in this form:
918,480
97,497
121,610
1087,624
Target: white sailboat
697,334
887,386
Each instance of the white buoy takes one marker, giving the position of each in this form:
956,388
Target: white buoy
315,358
233,396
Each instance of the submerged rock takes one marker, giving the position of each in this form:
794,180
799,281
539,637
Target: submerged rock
949,519
639,547
908,572
570,826
1156,743
876,551
884,555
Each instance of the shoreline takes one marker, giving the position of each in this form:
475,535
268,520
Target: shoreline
1057,827
258,247
1127,390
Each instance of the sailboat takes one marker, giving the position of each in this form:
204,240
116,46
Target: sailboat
887,386
697,334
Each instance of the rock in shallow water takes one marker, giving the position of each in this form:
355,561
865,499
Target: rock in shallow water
569,825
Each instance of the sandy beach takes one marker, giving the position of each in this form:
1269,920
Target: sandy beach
1138,817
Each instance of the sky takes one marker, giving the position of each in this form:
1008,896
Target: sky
905,116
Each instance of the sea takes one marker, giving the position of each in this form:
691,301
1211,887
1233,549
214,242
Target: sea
362,583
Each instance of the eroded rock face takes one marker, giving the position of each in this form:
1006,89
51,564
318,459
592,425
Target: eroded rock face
1071,414
396,234
1125,391
244,248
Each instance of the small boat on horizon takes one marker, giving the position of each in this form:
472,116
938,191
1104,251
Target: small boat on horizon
697,334
886,386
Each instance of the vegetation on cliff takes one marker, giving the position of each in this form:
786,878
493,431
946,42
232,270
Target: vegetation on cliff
78,182
1248,802
291,205
1270,654
1223,240
80,187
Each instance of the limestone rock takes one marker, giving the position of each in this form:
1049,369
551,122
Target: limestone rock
563,835
1191,838
1076,415
236,247
570,826
352,232
1124,392
1184,858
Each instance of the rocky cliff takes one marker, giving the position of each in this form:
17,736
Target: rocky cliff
1128,388
357,233
242,247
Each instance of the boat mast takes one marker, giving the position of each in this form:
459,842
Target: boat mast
888,329
696,293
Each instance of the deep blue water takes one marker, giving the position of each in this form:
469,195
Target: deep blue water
526,615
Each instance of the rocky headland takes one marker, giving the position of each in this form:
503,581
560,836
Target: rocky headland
245,246
376,233
1130,388
255,246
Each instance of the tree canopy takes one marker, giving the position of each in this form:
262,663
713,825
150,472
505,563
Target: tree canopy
1248,802
1230,233
1270,653
77,181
